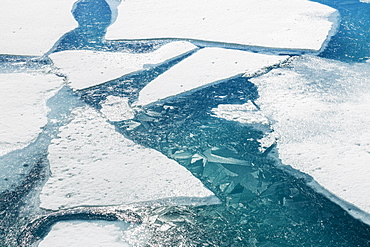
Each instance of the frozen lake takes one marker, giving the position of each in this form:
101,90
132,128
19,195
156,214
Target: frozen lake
196,123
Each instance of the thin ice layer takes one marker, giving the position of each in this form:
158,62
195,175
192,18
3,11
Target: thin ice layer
287,24
89,68
320,109
23,107
32,27
91,233
92,164
207,66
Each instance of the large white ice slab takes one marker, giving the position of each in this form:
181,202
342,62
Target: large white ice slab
206,66
82,233
92,164
320,109
23,108
89,68
287,24
32,27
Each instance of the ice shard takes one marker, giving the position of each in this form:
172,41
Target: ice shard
32,27
285,24
23,107
85,68
93,165
206,66
320,109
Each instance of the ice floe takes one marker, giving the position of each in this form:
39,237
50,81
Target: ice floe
32,27
286,24
91,164
86,68
23,107
86,233
321,112
206,66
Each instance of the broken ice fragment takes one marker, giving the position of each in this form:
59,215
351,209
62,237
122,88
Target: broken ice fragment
23,107
207,66
287,24
117,109
93,165
32,27
246,113
85,68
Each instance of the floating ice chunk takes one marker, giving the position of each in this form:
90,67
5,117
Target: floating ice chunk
82,233
208,65
321,112
89,68
246,113
32,27
117,109
92,164
23,107
365,1
287,24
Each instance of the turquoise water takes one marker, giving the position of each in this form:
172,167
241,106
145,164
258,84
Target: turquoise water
262,205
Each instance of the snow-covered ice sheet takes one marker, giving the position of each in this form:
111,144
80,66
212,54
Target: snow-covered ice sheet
206,66
32,27
286,24
23,107
320,109
86,233
89,68
92,164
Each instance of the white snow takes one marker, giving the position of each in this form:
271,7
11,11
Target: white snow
206,66
90,68
32,27
23,107
117,108
86,233
287,24
320,109
93,165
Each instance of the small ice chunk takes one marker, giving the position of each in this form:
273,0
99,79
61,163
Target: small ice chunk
117,109
90,68
23,107
320,110
207,66
246,113
287,24
93,165
81,233
365,1
32,27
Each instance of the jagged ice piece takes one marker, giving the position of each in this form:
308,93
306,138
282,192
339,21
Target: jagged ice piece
85,68
206,66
